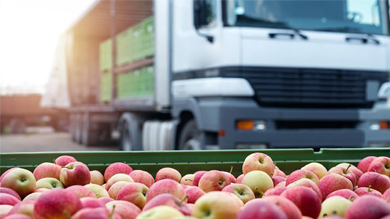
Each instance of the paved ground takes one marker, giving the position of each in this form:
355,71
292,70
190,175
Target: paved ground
43,141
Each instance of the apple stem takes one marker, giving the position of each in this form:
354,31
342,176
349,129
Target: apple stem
189,180
369,188
183,200
112,211
351,198
346,170
231,169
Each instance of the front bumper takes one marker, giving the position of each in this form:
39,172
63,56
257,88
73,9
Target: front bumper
228,110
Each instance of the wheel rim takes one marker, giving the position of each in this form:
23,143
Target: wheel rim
126,142
192,144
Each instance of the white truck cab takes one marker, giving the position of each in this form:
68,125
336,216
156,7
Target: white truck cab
276,73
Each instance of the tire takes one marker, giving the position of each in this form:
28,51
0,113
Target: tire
125,142
190,137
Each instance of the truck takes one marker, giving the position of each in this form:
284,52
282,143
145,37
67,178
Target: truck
229,74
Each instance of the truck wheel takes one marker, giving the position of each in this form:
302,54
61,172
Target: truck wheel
190,137
125,143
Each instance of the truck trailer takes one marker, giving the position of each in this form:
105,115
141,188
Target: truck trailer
229,74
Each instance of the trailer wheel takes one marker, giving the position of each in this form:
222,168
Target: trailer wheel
125,142
190,137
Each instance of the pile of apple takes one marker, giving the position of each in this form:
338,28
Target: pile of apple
69,189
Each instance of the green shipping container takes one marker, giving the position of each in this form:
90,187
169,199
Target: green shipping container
105,55
187,162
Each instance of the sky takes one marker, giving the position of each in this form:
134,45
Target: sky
29,32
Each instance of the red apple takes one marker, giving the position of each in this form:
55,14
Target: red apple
7,199
106,200
33,196
358,173
316,168
368,207
367,191
346,172
279,173
194,193
56,203
345,193
114,189
215,205
197,176
88,202
299,174
4,210
229,176
386,196
10,192
134,193
333,182
20,180
281,184
287,206
116,168
239,178
375,180
166,186
49,183
116,178
187,180
243,192
143,177
305,199
81,191
365,163
97,190
17,216
25,207
168,173
258,161
308,183
169,200
258,181
274,191
380,165
261,209
161,212
278,179
95,213
64,160
335,206
45,170
5,173
75,173
125,209
97,177
213,181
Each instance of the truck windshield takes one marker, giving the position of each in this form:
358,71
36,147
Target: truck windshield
348,16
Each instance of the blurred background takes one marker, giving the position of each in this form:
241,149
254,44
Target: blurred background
81,75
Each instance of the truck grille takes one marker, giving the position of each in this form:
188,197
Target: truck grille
280,87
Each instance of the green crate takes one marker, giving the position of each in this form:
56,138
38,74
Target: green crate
186,162
148,37
138,42
105,55
105,87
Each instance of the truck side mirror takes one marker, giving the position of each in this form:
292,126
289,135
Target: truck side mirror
200,13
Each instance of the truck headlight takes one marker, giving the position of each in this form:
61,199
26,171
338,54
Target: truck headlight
251,125
384,91
381,125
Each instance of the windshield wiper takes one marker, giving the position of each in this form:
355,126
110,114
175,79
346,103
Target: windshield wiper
340,29
275,24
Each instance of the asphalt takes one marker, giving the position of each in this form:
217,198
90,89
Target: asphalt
44,141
